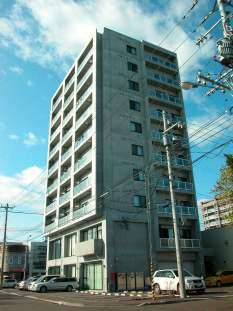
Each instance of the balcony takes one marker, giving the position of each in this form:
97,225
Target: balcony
83,161
54,134
181,210
84,61
65,197
51,206
64,220
66,154
52,186
83,185
68,100
55,118
85,77
157,136
67,117
84,97
160,61
155,114
163,79
166,98
83,138
50,227
184,243
91,248
178,185
54,150
65,175
57,102
53,168
179,162
87,113
67,134
84,210
69,83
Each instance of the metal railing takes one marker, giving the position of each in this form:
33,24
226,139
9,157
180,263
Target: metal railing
55,133
165,97
69,83
86,58
178,185
83,184
84,116
68,100
82,99
164,79
85,77
160,61
65,197
57,102
82,161
181,210
162,159
184,243
55,118
84,210
66,118
66,154
83,137
67,134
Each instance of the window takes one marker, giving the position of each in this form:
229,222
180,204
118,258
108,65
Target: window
138,174
135,127
131,50
70,245
133,85
137,150
70,270
139,201
134,105
132,67
91,233
55,270
55,249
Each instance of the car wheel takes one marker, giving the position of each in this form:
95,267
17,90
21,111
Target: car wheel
69,288
43,289
156,289
219,284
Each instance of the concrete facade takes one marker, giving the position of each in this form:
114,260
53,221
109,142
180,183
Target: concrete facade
214,213
105,130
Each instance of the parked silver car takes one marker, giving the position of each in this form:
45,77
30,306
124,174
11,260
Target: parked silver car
56,284
9,283
23,285
42,279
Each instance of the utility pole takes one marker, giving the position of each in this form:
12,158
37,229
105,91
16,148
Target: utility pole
25,258
6,207
173,204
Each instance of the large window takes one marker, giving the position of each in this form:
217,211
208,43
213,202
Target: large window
70,245
132,67
56,270
134,105
55,249
139,201
133,85
132,50
137,150
70,270
91,233
135,127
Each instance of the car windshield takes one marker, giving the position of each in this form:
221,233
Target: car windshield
186,273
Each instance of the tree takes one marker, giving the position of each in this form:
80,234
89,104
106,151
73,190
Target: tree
224,186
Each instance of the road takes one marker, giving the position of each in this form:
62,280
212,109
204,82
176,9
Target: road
13,300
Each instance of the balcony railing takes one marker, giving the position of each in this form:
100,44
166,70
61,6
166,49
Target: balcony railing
66,118
165,97
178,185
66,154
181,210
68,100
155,114
53,168
84,160
50,227
84,116
181,162
55,118
83,137
55,133
84,210
82,185
65,197
51,206
84,61
67,134
162,159
82,99
184,243
64,220
85,77
69,83
57,102
52,186
160,61
54,150
65,175
163,79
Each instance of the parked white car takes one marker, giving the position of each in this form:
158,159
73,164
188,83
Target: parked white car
9,283
168,280
23,285
42,279
56,284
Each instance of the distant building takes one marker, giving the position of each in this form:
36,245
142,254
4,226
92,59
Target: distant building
214,213
14,259
37,258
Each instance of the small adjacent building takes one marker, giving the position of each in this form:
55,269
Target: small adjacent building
37,258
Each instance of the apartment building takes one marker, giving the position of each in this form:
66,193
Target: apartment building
105,131
215,212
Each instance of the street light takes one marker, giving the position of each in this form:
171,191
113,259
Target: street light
186,85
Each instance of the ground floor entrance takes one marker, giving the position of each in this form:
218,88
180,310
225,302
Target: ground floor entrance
93,276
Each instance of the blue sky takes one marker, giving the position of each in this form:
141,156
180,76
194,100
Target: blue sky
40,39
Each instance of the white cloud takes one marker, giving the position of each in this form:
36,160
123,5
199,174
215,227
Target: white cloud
24,189
31,139
52,32
16,69
13,137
